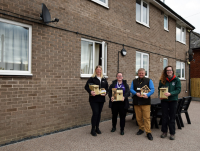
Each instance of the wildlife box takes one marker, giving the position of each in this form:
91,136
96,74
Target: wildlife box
117,93
94,88
162,93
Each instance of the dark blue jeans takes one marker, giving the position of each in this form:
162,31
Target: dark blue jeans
96,113
168,116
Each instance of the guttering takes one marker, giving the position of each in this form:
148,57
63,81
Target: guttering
169,10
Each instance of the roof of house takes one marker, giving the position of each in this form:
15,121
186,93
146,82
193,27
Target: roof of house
194,40
168,11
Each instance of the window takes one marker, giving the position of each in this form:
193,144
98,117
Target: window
165,62
15,48
180,34
142,12
93,53
102,2
165,22
142,61
180,70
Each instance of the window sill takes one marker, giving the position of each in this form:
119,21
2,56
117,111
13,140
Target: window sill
15,74
166,30
181,42
88,76
100,3
142,24
182,79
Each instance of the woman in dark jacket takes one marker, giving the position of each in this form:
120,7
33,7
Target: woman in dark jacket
168,79
119,106
96,101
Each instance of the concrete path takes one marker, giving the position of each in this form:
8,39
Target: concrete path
187,139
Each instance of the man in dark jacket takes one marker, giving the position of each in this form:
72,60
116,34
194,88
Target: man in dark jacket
119,107
142,103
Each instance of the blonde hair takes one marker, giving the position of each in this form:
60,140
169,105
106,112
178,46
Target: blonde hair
141,69
94,74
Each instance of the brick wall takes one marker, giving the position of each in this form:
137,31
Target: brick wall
54,97
194,65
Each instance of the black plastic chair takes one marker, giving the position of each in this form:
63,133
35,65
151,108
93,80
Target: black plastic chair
185,107
131,109
179,121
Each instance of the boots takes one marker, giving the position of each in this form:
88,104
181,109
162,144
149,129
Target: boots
93,133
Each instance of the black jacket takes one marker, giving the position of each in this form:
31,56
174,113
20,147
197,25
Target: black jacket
103,84
126,95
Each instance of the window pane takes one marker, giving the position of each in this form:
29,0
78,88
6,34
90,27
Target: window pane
103,1
183,35
165,63
145,64
165,22
183,70
138,62
86,57
97,55
138,10
105,58
178,33
178,69
145,13
14,50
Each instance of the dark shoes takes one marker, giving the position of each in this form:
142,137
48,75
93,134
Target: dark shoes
163,135
98,131
93,133
113,129
122,132
172,137
140,132
149,136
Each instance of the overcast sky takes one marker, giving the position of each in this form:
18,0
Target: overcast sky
188,9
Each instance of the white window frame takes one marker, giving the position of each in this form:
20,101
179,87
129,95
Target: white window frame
182,64
181,35
163,62
141,13
167,29
101,3
104,60
141,59
13,72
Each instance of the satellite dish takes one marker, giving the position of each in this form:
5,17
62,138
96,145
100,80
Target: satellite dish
46,16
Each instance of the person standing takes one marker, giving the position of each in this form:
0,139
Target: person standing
168,106
119,107
96,101
142,103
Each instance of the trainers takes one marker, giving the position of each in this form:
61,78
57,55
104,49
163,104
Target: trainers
140,132
149,136
163,135
172,137
113,129
93,133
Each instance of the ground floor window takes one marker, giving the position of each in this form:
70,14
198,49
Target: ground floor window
15,48
142,61
180,69
93,53
165,62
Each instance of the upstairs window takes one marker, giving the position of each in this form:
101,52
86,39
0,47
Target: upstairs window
15,48
93,53
180,69
165,22
102,2
180,34
142,12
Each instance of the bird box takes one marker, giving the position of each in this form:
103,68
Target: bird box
144,90
94,88
117,94
162,93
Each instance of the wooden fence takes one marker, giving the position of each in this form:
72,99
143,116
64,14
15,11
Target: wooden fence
195,87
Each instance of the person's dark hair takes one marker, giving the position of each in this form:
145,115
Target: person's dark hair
118,73
164,74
